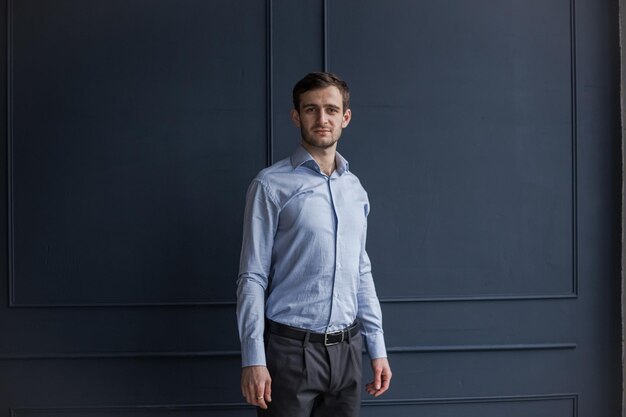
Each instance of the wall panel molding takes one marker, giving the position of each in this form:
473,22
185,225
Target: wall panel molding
510,297
471,400
186,408
546,405
482,348
574,112
9,104
142,409
269,92
325,63
383,300
236,353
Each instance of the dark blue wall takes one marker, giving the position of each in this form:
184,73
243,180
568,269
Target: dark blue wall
487,136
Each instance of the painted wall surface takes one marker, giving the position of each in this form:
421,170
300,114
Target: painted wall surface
487,135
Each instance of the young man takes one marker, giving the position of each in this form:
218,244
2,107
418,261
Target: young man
305,293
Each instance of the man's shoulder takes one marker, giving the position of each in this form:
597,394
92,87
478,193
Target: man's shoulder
279,180
353,179
266,175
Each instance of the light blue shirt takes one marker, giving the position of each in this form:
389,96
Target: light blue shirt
303,259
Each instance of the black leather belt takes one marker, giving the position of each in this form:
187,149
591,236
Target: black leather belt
328,339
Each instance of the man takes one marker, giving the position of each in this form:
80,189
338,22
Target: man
305,293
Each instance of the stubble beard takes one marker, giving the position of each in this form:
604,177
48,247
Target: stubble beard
310,140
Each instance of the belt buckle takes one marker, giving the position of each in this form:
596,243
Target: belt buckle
327,343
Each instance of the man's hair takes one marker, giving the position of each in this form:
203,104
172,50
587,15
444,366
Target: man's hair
317,80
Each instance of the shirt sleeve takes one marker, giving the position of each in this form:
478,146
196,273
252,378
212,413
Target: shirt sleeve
369,313
259,227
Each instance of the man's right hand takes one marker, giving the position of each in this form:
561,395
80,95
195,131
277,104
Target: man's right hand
256,385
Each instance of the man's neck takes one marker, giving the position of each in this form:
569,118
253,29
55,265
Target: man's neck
325,157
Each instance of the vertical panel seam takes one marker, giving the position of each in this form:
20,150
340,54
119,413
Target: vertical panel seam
269,39
325,63
574,148
9,150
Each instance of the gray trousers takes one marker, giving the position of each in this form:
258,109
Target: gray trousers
313,380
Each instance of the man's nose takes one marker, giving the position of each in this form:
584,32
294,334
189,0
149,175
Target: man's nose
322,117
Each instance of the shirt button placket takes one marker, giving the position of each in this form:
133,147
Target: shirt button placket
335,297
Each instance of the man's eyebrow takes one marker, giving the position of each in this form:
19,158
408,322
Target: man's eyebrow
316,106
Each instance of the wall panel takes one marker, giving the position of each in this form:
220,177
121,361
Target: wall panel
128,154
468,117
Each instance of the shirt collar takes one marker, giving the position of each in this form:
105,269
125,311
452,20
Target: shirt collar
302,157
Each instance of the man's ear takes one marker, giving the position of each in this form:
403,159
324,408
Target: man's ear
347,116
295,117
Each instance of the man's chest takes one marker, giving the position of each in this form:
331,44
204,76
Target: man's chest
326,208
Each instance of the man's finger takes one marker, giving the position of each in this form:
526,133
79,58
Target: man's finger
255,398
248,394
386,379
377,374
268,391
382,389
261,403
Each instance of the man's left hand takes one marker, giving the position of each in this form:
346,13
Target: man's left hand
382,377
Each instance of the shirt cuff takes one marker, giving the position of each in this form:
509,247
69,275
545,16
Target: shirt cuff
376,345
253,353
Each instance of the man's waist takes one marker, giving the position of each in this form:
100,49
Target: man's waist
327,338
311,313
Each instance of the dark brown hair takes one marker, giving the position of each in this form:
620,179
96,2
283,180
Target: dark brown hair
317,80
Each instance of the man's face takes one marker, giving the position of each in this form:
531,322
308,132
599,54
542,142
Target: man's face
321,117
